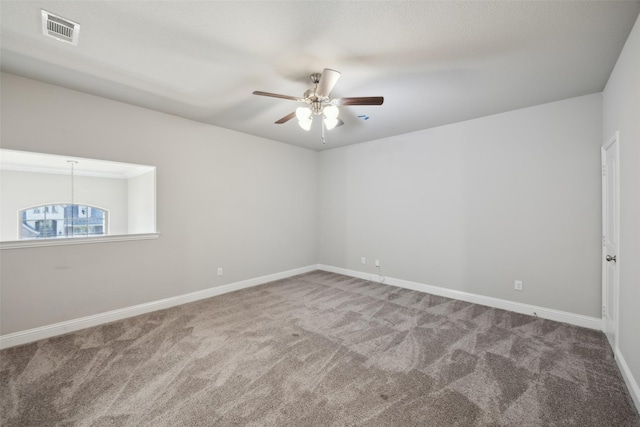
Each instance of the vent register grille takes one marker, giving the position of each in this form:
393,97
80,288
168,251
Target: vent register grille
60,28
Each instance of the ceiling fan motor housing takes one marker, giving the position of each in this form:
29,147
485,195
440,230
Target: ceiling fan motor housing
315,102
316,107
315,78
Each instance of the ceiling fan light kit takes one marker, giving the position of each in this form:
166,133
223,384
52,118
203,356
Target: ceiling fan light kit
319,102
329,113
330,116
303,114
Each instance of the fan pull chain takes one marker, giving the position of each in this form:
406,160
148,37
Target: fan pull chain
72,163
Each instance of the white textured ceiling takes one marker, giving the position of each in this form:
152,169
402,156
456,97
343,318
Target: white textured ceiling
434,62
23,161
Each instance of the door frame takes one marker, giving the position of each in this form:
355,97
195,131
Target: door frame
615,289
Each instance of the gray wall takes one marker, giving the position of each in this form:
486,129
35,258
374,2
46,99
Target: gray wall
141,198
475,205
621,112
225,199
471,206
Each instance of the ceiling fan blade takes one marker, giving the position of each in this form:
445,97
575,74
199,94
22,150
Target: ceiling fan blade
286,118
362,100
277,95
328,80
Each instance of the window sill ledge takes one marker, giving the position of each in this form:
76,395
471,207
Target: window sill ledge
20,244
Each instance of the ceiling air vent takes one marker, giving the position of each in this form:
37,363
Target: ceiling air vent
60,28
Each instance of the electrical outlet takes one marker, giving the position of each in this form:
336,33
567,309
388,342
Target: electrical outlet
219,271
377,263
517,285
363,260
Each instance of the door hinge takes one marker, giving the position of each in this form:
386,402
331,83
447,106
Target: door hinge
604,311
604,170
604,241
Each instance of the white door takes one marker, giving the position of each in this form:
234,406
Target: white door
610,238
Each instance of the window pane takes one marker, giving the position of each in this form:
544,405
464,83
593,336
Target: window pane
46,228
28,230
96,230
63,221
55,211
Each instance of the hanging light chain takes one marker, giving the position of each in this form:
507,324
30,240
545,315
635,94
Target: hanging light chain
73,163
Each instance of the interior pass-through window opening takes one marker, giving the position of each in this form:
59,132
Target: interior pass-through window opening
49,197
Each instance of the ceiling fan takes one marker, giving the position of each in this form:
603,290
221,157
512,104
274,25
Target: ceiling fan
318,101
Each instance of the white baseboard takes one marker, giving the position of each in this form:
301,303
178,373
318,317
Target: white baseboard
632,384
545,313
30,335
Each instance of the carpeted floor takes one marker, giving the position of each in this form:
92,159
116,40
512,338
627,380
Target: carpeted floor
318,349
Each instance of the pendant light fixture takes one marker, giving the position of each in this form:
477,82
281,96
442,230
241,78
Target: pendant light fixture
73,202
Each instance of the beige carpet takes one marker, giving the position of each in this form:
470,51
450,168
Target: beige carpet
318,349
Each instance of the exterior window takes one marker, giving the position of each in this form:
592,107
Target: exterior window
62,220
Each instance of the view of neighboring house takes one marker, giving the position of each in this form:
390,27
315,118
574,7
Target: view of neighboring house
51,221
